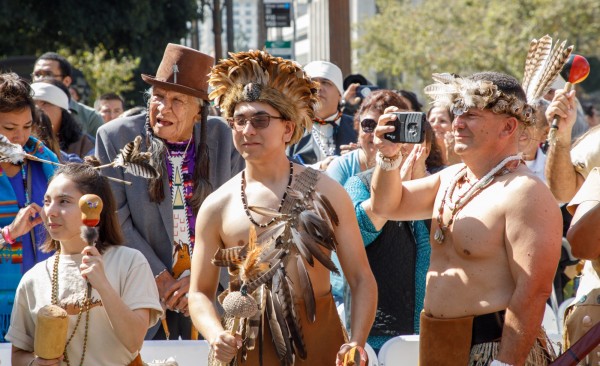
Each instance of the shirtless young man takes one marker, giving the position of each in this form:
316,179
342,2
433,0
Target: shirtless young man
261,86
495,247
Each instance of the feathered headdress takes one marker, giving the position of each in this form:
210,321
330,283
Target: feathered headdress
257,76
542,66
461,94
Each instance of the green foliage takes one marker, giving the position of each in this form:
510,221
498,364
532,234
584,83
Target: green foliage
104,70
139,28
465,36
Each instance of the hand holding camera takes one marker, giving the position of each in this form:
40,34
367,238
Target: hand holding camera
409,127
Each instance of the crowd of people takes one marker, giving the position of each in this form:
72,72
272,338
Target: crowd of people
278,195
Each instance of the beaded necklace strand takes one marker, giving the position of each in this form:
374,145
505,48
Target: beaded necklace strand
465,198
85,304
245,201
24,176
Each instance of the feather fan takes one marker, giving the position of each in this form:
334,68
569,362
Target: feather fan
542,66
134,161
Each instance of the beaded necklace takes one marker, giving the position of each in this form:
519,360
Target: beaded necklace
85,304
327,147
24,176
462,200
245,201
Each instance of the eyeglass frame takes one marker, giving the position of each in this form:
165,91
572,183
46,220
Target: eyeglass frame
234,125
48,74
371,127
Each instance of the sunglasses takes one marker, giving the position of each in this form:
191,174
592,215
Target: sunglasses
368,125
258,121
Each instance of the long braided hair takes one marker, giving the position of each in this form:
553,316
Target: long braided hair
158,149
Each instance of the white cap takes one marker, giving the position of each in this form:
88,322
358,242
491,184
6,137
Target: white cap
326,70
51,94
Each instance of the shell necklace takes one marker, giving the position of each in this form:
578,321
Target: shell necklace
85,305
462,200
245,200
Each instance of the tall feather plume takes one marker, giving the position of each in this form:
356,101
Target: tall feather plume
542,66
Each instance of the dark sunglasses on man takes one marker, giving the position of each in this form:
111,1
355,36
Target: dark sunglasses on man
258,121
368,125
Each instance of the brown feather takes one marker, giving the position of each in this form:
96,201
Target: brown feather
268,212
307,291
557,60
273,232
254,322
542,66
252,267
278,332
302,248
315,249
225,257
529,63
284,294
318,229
264,277
331,214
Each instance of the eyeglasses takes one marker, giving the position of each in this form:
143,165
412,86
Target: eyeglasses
368,125
258,121
42,74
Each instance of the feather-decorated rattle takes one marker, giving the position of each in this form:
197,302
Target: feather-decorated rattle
575,70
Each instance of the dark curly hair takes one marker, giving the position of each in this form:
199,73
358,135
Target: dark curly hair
89,180
15,94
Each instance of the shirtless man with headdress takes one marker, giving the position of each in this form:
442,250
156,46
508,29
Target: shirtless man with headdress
300,216
495,233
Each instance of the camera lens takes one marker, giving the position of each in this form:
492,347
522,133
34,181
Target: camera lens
412,130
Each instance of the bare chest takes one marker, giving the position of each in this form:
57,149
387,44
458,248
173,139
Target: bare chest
474,228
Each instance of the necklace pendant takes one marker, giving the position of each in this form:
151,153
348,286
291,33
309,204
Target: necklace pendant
439,235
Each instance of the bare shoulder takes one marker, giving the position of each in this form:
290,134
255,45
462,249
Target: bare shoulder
525,184
527,197
221,197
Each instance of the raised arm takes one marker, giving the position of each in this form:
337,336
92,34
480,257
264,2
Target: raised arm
392,198
562,178
533,241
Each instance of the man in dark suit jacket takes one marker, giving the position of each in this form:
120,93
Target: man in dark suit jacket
331,128
194,155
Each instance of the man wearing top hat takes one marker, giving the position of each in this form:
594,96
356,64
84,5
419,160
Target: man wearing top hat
193,154
331,128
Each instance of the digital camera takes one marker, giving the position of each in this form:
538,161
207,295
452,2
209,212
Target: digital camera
410,128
